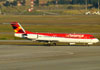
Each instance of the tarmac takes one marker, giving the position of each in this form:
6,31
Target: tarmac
28,57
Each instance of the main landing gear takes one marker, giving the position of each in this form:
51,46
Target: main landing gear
50,44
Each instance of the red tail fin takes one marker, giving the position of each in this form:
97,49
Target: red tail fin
17,27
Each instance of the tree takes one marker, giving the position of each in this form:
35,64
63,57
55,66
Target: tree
36,2
7,3
14,3
23,2
2,0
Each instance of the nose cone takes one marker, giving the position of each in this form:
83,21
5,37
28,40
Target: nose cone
96,40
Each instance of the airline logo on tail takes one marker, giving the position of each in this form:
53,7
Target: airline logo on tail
17,27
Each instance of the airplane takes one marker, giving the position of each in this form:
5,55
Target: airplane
53,38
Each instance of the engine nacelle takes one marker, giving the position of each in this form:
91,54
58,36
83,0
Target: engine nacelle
28,36
32,36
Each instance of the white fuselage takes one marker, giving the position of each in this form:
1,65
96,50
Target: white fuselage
58,39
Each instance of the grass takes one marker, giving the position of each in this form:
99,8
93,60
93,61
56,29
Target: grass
56,24
51,19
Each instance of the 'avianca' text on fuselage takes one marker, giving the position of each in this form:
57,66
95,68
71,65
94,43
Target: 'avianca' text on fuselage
53,37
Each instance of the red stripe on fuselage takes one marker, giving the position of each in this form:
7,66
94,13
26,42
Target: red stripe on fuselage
75,36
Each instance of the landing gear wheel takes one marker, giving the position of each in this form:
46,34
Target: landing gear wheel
50,44
54,44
